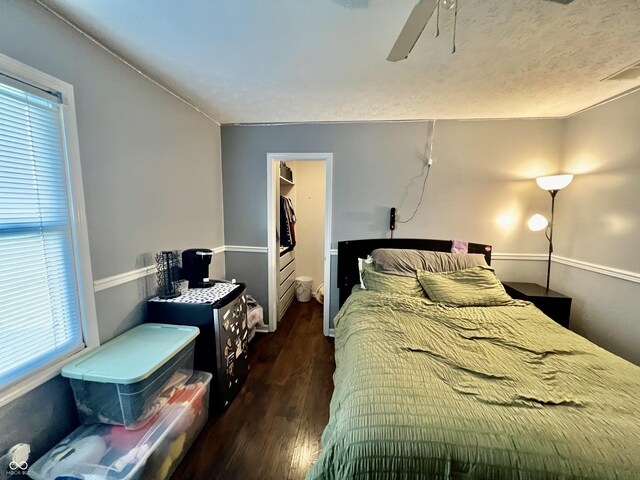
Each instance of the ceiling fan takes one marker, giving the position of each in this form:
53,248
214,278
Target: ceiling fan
416,22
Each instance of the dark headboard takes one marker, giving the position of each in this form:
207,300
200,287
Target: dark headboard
349,252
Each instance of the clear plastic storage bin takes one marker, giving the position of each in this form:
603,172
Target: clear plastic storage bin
153,452
129,379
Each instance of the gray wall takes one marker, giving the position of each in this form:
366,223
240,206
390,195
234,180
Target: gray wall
152,181
599,222
479,189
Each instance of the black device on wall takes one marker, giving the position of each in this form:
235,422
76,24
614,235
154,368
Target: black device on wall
195,267
392,219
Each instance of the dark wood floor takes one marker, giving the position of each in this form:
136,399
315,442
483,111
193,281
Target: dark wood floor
272,429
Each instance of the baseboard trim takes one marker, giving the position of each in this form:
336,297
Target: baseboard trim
126,277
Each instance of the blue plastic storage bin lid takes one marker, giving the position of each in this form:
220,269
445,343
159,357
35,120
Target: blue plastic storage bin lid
132,356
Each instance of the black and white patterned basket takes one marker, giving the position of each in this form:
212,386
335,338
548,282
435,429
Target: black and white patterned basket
202,295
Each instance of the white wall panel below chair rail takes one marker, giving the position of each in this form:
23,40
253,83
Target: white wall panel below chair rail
133,275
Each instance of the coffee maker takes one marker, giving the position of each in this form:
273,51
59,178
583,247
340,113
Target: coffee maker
195,267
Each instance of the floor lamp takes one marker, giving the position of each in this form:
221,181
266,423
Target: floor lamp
553,184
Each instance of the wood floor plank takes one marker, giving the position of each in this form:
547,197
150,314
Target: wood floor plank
272,429
316,413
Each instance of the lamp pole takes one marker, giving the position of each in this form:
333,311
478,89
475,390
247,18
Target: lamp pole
552,184
550,235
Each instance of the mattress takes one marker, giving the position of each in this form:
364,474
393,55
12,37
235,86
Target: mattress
423,390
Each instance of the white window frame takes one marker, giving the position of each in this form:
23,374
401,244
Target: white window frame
20,71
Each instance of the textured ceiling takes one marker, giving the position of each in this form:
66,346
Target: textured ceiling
248,61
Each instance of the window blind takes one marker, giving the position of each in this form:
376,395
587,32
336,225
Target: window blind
40,318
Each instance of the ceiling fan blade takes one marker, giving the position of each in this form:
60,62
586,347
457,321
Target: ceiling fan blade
411,31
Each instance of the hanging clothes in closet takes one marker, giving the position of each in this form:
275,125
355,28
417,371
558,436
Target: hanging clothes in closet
287,223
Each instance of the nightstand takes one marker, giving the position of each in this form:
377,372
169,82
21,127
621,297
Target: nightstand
553,304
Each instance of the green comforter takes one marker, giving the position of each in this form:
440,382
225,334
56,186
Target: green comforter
429,391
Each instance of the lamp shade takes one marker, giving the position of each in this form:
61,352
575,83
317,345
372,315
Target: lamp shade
537,222
554,182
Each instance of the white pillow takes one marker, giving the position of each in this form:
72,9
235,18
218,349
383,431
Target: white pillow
369,261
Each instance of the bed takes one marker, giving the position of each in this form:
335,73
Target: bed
424,389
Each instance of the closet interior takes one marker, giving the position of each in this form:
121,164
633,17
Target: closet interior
300,217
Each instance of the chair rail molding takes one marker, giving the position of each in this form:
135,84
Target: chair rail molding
523,257
132,275
244,249
601,269
618,273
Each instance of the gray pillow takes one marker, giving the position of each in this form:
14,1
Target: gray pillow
406,263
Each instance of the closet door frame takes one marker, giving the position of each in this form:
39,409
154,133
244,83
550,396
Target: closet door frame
273,177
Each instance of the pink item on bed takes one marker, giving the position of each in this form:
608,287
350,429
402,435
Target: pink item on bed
459,246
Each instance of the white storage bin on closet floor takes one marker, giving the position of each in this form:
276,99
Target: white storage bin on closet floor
110,452
127,380
303,288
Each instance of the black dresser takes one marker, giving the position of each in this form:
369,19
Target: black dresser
220,312
553,304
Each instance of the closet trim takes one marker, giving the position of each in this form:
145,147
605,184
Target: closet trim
272,249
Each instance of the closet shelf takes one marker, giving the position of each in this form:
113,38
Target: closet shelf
285,181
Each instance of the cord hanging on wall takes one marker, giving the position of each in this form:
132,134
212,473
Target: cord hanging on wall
429,162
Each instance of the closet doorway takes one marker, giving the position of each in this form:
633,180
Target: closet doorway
310,193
